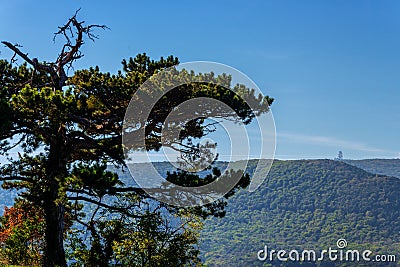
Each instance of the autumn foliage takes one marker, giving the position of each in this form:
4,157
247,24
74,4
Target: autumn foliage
21,234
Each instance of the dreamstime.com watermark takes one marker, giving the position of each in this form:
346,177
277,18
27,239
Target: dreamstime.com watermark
338,253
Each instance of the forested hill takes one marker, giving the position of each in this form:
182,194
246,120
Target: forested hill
389,167
307,204
303,204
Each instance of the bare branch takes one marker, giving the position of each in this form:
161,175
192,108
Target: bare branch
69,52
17,52
123,210
15,178
34,62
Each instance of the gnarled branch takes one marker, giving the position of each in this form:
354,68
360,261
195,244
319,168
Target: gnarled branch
69,53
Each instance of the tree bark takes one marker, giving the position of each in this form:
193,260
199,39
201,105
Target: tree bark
54,252
54,209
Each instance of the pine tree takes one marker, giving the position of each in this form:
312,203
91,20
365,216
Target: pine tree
70,128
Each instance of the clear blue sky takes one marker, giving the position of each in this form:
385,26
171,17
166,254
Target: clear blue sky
332,66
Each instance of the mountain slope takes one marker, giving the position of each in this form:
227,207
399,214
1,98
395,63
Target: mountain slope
389,167
306,205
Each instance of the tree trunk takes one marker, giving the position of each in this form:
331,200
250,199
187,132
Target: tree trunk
54,251
54,209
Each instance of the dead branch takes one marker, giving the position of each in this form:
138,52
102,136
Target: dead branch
69,52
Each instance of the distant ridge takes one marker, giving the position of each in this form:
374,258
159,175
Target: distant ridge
389,167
